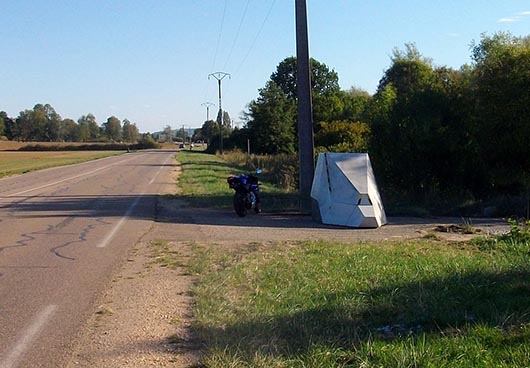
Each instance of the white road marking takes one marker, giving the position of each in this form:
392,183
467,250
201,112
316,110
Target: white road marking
125,217
120,223
160,169
27,336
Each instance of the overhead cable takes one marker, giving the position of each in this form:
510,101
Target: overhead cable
220,34
237,34
256,37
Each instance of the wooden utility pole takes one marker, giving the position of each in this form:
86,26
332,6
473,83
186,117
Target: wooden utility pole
305,108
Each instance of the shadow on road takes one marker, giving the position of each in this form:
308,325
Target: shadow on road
208,210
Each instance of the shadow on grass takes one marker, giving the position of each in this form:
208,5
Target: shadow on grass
439,307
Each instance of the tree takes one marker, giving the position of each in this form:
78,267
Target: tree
323,80
406,136
70,131
52,126
112,128
147,141
422,140
208,130
343,136
84,129
227,121
42,123
272,117
272,121
3,118
130,132
94,131
502,91
168,133
10,127
197,135
355,102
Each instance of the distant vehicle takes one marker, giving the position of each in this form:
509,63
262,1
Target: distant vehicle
181,145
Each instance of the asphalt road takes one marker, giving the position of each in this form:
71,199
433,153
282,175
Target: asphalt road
63,232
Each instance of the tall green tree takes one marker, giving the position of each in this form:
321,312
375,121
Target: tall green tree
323,80
39,124
70,131
3,118
130,132
10,126
272,121
208,130
412,126
94,131
502,100
84,130
272,116
112,128
52,126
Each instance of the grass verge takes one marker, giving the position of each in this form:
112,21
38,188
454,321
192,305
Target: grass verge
203,182
163,255
13,163
394,304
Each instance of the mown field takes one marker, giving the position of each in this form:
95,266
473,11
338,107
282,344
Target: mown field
422,303
13,162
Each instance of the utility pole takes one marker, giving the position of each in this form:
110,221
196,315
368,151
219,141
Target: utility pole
305,108
220,76
208,105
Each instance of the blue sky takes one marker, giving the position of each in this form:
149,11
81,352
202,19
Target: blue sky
149,60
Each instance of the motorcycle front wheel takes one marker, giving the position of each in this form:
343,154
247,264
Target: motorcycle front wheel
239,204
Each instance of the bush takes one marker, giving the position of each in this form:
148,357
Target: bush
518,238
282,169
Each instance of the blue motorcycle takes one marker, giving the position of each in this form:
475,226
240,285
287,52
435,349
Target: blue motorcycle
246,196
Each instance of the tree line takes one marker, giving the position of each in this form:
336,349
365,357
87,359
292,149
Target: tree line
44,124
431,131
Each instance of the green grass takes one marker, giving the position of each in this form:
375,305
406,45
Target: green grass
425,303
13,163
393,304
164,256
203,182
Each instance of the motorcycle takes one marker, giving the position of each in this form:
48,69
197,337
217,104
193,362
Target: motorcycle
246,196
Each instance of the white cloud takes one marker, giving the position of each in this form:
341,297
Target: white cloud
515,18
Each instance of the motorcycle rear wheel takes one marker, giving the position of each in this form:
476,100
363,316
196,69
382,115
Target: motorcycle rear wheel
239,204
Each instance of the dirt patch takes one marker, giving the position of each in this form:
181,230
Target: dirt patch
144,316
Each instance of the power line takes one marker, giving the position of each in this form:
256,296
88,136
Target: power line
220,34
207,85
256,37
237,34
